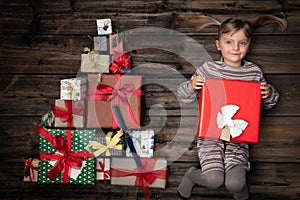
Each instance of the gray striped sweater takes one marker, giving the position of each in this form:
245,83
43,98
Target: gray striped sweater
218,69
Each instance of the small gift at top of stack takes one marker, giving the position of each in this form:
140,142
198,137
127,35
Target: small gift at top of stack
99,59
108,54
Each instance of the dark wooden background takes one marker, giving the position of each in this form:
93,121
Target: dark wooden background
41,42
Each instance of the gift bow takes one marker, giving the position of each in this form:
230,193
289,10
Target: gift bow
106,173
91,58
121,64
94,58
111,143
66,114
65,158
47,119
71,88
145,175
29,166
224,119
108,93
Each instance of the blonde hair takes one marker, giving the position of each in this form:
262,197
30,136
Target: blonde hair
234,24
200,21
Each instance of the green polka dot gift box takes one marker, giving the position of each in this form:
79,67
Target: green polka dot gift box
63,156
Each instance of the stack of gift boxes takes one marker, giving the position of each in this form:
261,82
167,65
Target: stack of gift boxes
80,139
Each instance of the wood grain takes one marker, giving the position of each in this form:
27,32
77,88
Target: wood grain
41,43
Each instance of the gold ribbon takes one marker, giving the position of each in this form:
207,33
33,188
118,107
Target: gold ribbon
91,56
72,90
111,143
95,58
91,59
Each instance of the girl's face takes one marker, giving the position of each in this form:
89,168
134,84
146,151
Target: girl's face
233,47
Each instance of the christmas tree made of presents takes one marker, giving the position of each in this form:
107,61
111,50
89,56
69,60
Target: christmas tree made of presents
80,138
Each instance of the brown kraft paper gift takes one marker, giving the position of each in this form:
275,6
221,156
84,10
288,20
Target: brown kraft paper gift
113,89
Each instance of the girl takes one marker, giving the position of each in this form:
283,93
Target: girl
226,162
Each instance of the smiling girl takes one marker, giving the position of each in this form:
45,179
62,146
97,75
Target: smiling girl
225,162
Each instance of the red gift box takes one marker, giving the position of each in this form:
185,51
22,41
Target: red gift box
229,110
113,89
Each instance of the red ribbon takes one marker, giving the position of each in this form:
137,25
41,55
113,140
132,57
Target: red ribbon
145,175
28,164
117,94
121,64
65,158
66,114
106,173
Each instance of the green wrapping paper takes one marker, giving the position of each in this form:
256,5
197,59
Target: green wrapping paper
80,139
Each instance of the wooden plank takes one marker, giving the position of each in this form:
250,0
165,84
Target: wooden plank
275,151
141,6
290,15
41,43
82,24
269,152
12,106
70,23
277,143
61,54
34,91
15,6
293,19
17,23
282,121
227,6
268,134
292,4
188,121
165,130
80,6
266,181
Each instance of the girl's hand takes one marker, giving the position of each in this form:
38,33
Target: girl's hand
266,91
197,83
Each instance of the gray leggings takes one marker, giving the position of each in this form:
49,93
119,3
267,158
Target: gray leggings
234,180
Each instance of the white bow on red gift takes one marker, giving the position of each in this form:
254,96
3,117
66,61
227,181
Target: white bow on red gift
225,122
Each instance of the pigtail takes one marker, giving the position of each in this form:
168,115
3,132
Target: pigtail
269,19
201,21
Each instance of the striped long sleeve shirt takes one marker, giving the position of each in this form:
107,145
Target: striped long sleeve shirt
218,69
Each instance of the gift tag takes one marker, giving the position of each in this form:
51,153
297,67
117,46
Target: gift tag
225,134
104,26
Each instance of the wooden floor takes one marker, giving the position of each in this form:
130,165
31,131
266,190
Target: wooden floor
41,43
